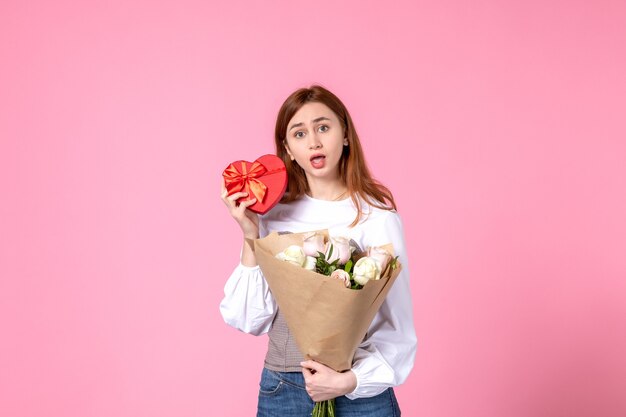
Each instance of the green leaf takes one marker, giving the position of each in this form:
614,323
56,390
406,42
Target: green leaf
355,286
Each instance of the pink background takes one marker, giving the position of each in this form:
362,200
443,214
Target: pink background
500,127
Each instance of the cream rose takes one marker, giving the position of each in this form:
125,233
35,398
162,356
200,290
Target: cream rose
365,269
342,275
309,263
380,255
341,250
293,254
313,243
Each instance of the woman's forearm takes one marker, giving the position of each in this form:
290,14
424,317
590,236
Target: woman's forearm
247,255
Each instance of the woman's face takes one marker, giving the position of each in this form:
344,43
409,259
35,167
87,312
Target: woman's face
315,140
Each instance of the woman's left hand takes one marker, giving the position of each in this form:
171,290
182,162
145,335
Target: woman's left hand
324,383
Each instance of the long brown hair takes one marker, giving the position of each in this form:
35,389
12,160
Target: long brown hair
353,170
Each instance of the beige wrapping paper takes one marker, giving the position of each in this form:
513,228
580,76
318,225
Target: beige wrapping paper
327,320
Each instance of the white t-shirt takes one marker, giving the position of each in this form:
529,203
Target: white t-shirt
386,356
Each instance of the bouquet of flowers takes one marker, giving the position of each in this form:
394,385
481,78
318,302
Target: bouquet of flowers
335,259
313,276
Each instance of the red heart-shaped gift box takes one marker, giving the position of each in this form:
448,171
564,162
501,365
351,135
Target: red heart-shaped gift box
265,179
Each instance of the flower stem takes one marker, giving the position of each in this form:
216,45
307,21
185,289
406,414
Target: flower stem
324,409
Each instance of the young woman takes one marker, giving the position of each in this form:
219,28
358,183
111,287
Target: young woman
329,187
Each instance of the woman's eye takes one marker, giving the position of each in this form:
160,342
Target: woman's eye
323,128
299,134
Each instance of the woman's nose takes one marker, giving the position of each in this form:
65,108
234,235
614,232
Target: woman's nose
314,142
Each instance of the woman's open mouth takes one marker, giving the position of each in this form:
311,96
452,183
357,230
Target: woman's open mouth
318,161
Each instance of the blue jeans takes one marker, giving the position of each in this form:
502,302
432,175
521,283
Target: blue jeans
283,394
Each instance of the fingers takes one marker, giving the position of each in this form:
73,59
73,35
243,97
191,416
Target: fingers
240,209
231,200
308,370
308,375
309,364
311,385
247,203
234,196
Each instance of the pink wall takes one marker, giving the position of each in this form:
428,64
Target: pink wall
498,125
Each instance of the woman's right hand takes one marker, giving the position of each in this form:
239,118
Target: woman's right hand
247,220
